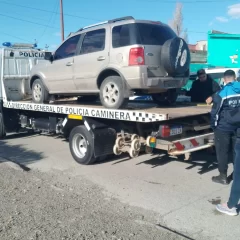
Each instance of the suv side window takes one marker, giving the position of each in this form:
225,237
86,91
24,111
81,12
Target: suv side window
94,41
121,36
68,48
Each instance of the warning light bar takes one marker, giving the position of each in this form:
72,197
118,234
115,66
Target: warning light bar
19,45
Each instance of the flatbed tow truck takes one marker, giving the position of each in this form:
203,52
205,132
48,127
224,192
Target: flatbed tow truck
93,131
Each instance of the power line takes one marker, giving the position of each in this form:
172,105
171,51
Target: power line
44,25
14,13
55,12
22,39
44,10
50,20
23,20
193,2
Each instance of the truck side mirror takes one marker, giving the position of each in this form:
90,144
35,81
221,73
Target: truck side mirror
48,56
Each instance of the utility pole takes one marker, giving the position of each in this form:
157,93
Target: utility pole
61,19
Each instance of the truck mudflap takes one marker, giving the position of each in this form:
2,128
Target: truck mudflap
103,136
183,146
192,144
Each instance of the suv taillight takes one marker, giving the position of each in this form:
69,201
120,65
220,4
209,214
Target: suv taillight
136,56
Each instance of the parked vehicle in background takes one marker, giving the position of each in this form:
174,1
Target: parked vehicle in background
112,60
215,72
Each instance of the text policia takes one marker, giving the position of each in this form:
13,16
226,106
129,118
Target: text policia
87,112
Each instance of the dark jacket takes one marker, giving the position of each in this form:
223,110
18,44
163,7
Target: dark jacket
200,91
225,114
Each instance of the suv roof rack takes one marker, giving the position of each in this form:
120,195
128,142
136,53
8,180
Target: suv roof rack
109,21
121,19
93,25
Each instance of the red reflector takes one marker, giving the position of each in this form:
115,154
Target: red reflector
194,142
165,131
136,56
179,146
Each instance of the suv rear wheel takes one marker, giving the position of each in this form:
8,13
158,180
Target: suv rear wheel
39,93
112,93
166,98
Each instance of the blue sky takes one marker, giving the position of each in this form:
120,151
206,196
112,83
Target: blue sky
17,23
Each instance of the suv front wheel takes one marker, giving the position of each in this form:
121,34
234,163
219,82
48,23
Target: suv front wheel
166,98
112,93
39,93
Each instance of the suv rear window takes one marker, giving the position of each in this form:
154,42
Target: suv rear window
141,33
152,34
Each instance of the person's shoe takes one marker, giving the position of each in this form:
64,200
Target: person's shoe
222,179
223,208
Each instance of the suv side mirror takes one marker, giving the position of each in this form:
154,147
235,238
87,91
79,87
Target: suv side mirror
48,56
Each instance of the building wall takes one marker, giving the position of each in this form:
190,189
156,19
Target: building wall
223,49
202,45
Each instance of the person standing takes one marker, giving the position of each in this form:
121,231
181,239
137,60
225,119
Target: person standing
225,101
203,88
230,208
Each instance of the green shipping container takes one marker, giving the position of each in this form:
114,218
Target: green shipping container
223,49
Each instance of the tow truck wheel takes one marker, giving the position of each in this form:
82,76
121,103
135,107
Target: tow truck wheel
148,150
116,150
119,142
134,136
2,128
136,145
39,93
81,145
133,153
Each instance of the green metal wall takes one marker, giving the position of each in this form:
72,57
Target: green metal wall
221,47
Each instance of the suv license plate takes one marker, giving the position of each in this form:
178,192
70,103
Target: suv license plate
175,131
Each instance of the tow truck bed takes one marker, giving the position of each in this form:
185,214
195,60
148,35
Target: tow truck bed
137,112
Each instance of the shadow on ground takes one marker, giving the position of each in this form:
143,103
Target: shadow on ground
205,160
19,154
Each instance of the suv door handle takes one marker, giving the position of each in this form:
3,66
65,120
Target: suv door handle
101,58
69,64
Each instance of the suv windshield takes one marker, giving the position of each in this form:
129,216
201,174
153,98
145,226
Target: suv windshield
141,33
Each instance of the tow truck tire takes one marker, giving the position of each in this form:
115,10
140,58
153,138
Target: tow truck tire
167,98
112,93
82,146
2,127
39,92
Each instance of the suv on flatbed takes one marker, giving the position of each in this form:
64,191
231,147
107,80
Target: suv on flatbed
114,60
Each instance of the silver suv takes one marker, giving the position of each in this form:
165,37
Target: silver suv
113,60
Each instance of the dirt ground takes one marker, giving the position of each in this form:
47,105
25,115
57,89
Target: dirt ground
53,205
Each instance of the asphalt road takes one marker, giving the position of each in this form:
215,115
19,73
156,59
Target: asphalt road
178,197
